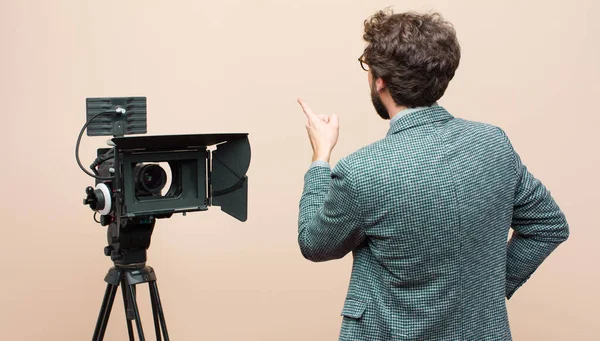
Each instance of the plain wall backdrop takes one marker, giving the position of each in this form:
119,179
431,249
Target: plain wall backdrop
238,66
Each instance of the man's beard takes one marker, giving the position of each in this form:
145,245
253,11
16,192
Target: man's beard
378,104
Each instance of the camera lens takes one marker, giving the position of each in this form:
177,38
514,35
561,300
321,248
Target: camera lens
150,178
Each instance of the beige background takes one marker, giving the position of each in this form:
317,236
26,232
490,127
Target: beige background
238,66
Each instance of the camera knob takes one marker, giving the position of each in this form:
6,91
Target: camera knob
107,250
91,199
105,220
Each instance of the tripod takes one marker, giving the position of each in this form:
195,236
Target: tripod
127,249
128,278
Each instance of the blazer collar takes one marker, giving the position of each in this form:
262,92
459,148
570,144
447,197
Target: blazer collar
419,118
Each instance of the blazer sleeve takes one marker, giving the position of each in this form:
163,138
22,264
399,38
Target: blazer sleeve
329,221
539,226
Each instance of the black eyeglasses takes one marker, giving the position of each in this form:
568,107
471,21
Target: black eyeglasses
363,64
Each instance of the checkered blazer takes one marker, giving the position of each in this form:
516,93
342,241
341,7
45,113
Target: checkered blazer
426,212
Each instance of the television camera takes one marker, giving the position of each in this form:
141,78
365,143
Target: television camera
141,179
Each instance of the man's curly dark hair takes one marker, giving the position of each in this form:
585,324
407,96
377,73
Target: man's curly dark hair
416,55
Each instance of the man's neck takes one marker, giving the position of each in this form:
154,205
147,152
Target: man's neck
394,110
400,111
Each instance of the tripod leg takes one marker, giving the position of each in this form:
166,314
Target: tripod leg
138,320
161,315
154,313
107,302
128,311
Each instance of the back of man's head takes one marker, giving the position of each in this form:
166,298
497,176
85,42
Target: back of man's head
416,55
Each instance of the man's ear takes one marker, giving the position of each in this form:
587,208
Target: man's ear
379,84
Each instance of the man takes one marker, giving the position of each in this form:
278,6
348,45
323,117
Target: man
426,210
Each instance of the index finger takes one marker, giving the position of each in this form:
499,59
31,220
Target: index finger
305,108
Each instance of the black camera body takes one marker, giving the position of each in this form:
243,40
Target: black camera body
199,177
144,178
